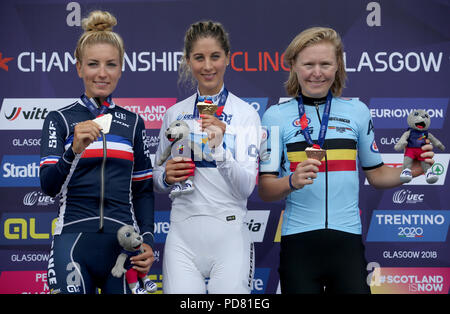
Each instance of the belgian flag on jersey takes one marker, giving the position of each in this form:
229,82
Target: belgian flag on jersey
341,154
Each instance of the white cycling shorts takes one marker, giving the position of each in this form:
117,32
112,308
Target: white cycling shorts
202,247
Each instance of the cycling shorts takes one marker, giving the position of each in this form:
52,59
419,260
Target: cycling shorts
323,261
206,254
81,262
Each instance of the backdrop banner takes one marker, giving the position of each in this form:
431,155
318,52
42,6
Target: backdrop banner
397,56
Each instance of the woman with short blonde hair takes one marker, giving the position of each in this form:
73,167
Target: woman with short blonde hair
315,143
305,39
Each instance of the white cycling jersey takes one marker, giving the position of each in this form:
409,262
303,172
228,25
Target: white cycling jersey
222,183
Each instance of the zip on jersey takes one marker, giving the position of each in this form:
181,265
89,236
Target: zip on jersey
98,110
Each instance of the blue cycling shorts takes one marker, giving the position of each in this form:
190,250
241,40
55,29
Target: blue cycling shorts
81,262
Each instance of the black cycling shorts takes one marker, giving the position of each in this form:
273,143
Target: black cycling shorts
82,262
323,261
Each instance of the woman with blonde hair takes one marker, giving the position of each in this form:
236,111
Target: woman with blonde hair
100,171
315,142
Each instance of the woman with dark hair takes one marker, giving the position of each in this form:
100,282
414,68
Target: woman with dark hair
208,237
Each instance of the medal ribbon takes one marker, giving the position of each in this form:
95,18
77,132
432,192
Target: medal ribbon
323,125
94,108
221,98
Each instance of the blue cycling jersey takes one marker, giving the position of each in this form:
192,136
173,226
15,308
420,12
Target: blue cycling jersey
125,165
332,200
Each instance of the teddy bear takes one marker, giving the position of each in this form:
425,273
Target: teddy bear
178,134
412,140
131,243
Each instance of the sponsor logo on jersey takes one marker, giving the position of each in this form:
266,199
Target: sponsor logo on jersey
298,122
374,147
339,129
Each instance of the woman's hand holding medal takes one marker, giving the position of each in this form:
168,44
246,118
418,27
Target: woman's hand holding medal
214,128
305,173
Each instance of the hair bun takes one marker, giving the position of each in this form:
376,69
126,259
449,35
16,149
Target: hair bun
99,21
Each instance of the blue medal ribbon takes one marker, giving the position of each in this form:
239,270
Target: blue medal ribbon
221,98
96,111
323,125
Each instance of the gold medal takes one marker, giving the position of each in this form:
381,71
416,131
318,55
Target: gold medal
206,107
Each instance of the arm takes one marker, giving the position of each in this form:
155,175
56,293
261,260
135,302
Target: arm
55,162
271,188
385,177
142,184
379,175
240,170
